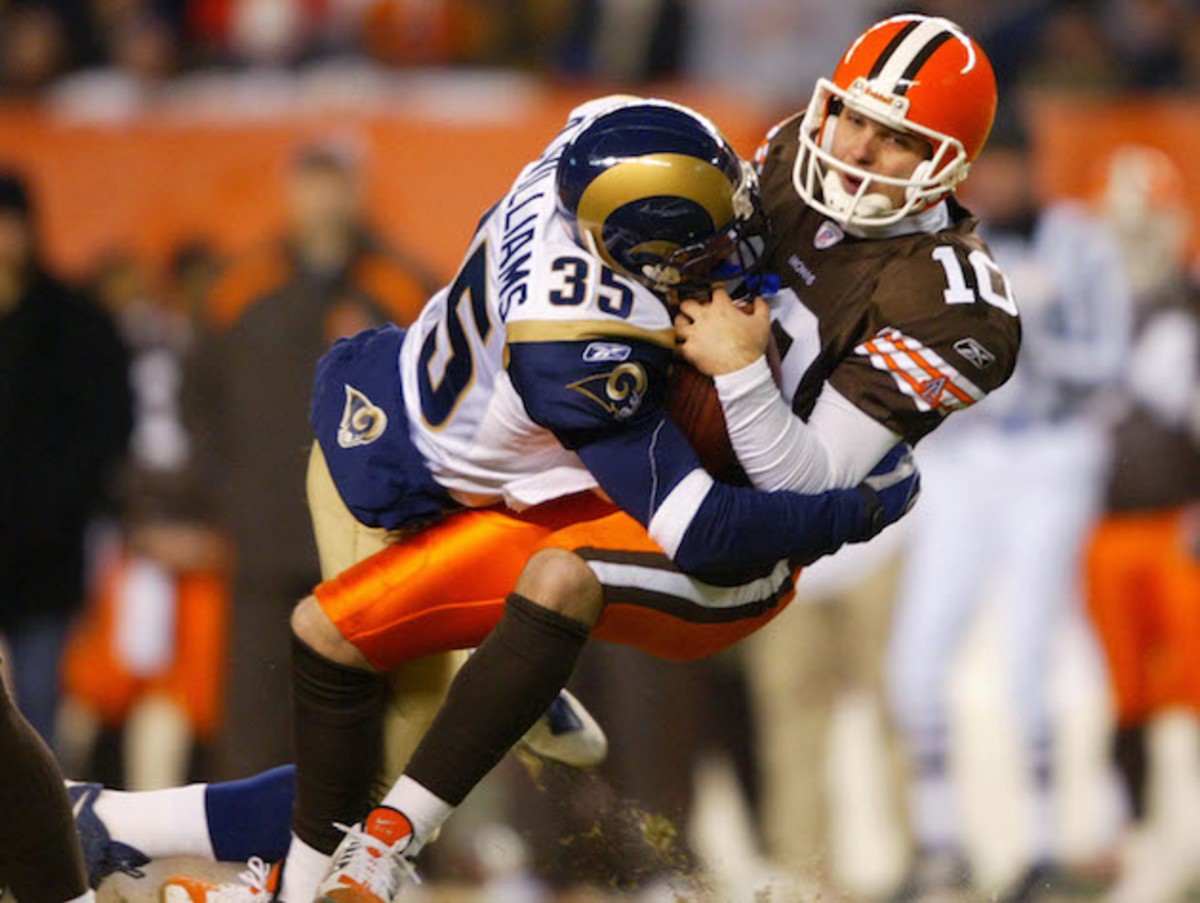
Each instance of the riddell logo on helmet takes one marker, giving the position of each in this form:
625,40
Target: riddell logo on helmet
864,89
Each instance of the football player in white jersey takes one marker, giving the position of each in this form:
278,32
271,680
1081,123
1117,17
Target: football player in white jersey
522,404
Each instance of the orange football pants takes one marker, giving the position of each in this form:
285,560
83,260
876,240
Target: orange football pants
444,588
94,674
1143,594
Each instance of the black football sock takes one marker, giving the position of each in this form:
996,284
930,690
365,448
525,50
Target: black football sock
338,725
40,859
504,687
1129,755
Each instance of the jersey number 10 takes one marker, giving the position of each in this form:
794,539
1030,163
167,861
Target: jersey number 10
987,274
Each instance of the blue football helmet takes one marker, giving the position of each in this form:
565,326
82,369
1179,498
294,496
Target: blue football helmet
657,192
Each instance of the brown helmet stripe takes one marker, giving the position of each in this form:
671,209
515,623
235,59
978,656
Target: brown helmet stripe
931,47
893,44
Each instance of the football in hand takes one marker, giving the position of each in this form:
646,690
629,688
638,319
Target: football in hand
693,403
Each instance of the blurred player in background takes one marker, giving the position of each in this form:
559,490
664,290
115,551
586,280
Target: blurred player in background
145,664
1143,563
1014,490
65,417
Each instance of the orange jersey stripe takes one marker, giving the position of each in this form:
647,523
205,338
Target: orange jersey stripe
933,371
894,367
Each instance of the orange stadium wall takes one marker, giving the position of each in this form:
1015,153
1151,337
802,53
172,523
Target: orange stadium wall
145,184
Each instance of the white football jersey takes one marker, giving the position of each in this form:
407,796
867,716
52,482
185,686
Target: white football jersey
525,279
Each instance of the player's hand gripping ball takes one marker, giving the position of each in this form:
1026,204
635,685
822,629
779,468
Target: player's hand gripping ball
693,403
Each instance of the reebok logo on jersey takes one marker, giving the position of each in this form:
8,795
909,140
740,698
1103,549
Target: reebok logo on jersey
619,392
828,235
975,353
604,352
362,421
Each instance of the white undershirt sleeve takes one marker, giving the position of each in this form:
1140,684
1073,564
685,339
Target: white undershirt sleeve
835,449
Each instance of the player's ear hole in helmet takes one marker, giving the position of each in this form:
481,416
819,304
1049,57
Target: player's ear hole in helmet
657,192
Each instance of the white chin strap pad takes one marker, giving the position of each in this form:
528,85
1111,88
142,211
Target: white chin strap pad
870,204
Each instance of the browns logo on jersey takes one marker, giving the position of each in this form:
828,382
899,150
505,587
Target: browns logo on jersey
908,328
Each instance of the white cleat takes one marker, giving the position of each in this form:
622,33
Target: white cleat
369,865
567,733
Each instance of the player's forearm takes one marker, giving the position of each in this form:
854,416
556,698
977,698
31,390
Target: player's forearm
777,450
734,528
706,526
772,445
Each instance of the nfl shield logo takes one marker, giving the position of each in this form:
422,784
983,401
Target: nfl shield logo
828,235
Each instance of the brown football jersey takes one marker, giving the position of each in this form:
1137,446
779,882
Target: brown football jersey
908,328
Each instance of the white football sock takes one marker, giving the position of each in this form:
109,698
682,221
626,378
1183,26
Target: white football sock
86,897
303,872
170,822
423,809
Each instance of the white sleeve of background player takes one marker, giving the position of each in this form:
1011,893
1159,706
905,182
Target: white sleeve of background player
835,449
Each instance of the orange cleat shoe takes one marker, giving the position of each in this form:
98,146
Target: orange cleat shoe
257,884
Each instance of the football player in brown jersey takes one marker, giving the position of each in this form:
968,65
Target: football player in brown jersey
892,313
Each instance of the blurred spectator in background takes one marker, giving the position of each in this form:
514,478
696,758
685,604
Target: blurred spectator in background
148,660
34,50
541,35
271,315
772,50
65,415
630,41
1143,564
1011,491
766,48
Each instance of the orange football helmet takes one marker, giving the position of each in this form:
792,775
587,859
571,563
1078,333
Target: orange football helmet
916,74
